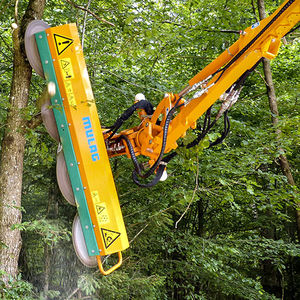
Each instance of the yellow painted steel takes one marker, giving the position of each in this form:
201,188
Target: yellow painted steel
87,138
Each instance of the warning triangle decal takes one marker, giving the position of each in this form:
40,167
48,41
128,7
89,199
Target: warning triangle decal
64,63
109,236
62,43
99,209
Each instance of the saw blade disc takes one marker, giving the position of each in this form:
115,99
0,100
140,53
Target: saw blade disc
63,178
80,245
49,121
31,47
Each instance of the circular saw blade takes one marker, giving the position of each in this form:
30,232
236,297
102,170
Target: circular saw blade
49,120
63,178
31,47
80,245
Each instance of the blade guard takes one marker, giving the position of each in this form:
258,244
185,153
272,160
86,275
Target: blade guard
83,143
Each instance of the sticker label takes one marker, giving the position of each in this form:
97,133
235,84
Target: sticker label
101,209
66,68
62,43
109,236
102,213
70,94
95,197
255,25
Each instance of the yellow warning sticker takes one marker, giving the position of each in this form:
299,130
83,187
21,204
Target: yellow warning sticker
70,93
68,86
101,209
102,213
62,43
71,99
66,68
109,236
95,197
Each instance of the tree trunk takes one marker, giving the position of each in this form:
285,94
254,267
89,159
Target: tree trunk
284,164
270,279
13,145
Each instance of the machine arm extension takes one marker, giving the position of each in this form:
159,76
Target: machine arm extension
226,73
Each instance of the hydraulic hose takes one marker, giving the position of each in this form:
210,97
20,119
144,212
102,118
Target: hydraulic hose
157,165
143,104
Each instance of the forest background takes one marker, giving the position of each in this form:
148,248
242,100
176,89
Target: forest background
223,225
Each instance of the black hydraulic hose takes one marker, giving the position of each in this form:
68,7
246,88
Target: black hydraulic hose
143,104
225,132
206,126
154,181
132,153
167,158
137,169
157,165
164,142
242,79
170,156
160,163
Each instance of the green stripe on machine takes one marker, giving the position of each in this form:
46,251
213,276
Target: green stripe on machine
66,141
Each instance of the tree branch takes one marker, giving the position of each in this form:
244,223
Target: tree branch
139,233
45,97
10,49
73,293
90,12
207,30
194,193
223,31
84,23
16,12
34,122
253,8
129,82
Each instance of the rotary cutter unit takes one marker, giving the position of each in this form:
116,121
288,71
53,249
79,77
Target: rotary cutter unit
83,169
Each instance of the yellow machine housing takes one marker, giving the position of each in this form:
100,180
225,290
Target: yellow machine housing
87,138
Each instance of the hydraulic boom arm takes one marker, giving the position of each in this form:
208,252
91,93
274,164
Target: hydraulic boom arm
158,134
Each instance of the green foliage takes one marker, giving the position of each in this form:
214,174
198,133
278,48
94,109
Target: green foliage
17,289
122,286
51,231
222,226
227,265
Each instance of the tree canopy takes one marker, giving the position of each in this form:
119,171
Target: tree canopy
223,224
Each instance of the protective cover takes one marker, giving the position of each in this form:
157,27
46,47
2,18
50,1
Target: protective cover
63,178
80,246
49,120
31,47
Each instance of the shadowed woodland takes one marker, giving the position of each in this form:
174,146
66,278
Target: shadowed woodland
226,222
